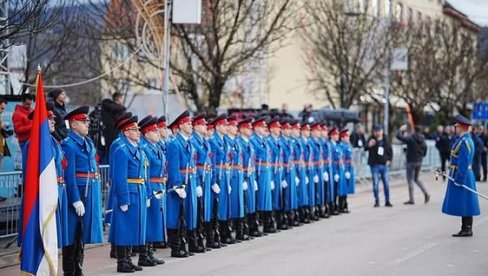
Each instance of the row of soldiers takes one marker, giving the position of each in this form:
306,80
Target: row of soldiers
194,190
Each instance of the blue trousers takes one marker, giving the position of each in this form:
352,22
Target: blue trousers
377,171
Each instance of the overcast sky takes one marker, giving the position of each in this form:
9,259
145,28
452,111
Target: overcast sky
476,10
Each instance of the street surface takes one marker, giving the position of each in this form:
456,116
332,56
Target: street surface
403,240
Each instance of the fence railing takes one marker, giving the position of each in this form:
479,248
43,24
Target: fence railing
11,183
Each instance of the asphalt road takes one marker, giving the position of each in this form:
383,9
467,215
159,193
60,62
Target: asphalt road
403,240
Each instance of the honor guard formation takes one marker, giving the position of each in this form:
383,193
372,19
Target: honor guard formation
216,182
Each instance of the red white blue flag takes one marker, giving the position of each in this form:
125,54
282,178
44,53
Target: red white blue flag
39,250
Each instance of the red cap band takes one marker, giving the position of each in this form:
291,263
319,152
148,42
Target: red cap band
295,126
305,127
274,124
183,120
131,125
316,127
245,125
161,124
259,124
220,122
232,122
286,126
79,117
200,121
149,128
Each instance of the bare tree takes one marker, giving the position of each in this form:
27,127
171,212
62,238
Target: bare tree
233,37
344,49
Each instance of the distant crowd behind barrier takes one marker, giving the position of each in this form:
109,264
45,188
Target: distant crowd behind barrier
11,182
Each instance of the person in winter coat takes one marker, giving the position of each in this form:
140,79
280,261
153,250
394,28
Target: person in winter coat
416,150
58,97
22,124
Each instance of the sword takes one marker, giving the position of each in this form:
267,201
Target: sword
439,172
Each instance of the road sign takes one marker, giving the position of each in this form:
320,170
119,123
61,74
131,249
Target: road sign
480,111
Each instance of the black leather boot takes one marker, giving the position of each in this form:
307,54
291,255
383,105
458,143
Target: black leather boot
128,258
113,252
269,223
144,259
150,253
210,236
303,215
194,247
282,220
68,261
226,236
177,251
122,265
240,233
466,228
79,256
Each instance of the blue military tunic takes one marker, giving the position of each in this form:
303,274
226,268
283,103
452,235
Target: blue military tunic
112,170
458,201
163,146
157,182
236,178
221,173
290,173
318,167
302,170
181,171
80,155
263,173
308,155
62,209
249,167
347,154
338,169
277,171
204,173
128,188
328,173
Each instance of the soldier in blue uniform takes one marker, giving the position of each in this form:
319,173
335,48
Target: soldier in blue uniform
236,179
327,171
157,178
130,195
84,191
263,174
204,182
318,167
349,175
290,174
163,133
304,162
338,170
182,195
250,184
278,183
299,168
221,160
458,201
312,177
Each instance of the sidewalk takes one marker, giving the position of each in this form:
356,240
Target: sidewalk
10,257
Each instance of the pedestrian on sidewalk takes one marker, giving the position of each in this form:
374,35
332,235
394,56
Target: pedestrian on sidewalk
380,156
416,150
459,201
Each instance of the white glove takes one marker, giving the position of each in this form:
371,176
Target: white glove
148,202
230,189
316,179
307,180
326,176
297,180
216,188
336,177
124,208
284,184
244,186
272,185
199,191
348,175
181,192
255,185
79,208
159,194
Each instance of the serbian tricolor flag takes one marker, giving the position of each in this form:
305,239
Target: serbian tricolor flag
39,249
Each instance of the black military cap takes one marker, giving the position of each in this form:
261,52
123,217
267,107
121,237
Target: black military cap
122,118
305,126
333,131
460,119
183,118
259,122
377,127
274,122
161,121
78,114
199,119
145,121
246,123
220,120
148,123
130,123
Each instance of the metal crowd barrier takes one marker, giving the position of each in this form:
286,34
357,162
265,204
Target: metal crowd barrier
11,183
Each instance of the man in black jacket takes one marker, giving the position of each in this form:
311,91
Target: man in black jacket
380,156
358,140
416,150
112,109
443,144
58,98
